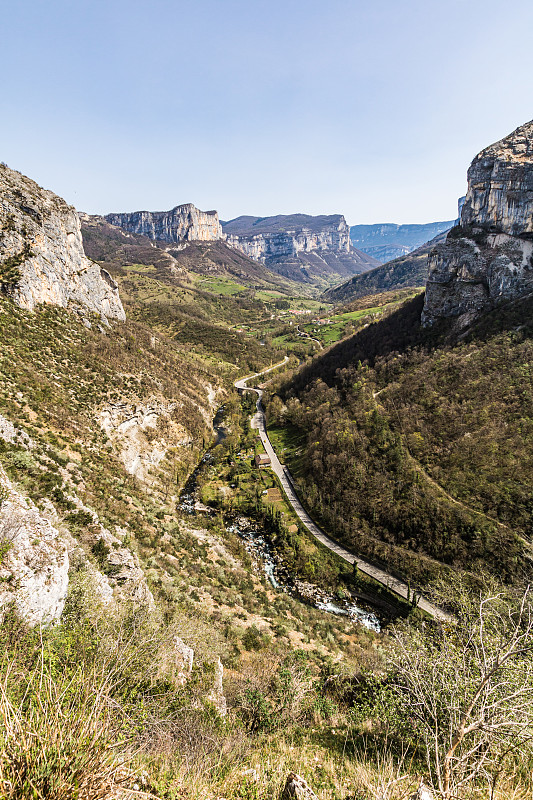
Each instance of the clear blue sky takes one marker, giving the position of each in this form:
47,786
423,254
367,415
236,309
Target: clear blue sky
371,109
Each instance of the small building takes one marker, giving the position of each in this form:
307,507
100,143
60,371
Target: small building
262,460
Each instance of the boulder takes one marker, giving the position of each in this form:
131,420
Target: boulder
296,787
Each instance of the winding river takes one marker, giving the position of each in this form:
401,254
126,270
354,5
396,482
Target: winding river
263,554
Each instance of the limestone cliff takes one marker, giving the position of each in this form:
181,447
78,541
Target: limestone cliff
298,246
488,257
34,561
41,252
180,225
288,236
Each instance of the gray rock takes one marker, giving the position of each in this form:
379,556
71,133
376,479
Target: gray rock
34,560
216,695
41,252
296,787
180,225
123,571
133,432
184,656
489,256
422,793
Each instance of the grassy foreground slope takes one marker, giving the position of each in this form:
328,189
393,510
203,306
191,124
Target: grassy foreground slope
418,450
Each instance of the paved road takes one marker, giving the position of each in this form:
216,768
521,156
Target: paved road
392,583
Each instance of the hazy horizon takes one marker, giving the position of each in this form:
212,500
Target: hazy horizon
373,112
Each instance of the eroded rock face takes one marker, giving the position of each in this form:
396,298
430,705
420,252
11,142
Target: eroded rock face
34,560
132,430
332,235
500,185
181,224
488,257
299,246
41,252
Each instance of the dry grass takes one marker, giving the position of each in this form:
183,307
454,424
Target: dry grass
57,737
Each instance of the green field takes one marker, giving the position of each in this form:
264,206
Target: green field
346,323
288,443
222,286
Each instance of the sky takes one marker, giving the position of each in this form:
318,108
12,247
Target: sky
369,109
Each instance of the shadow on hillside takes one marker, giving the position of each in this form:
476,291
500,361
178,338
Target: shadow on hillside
398,331
401,331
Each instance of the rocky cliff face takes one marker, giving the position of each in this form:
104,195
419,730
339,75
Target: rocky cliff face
38,555
299,246
41,252
273,237
180,225
34,561
133,429
488,257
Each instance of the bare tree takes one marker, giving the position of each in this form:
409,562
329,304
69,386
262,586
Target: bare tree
467,691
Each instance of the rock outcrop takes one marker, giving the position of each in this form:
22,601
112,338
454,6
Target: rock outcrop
296,788
123,571
216,695
488,257
184,660
299,246
422,793
37,552
34,561
133,432
41,252
180,225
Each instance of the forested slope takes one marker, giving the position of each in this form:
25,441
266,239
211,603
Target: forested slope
419,448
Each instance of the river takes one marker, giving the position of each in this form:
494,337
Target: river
264,556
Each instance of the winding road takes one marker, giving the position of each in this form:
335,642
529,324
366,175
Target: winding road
389,581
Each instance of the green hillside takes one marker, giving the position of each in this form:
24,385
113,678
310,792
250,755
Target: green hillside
418,449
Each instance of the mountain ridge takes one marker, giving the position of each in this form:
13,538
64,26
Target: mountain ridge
387,241
301,247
